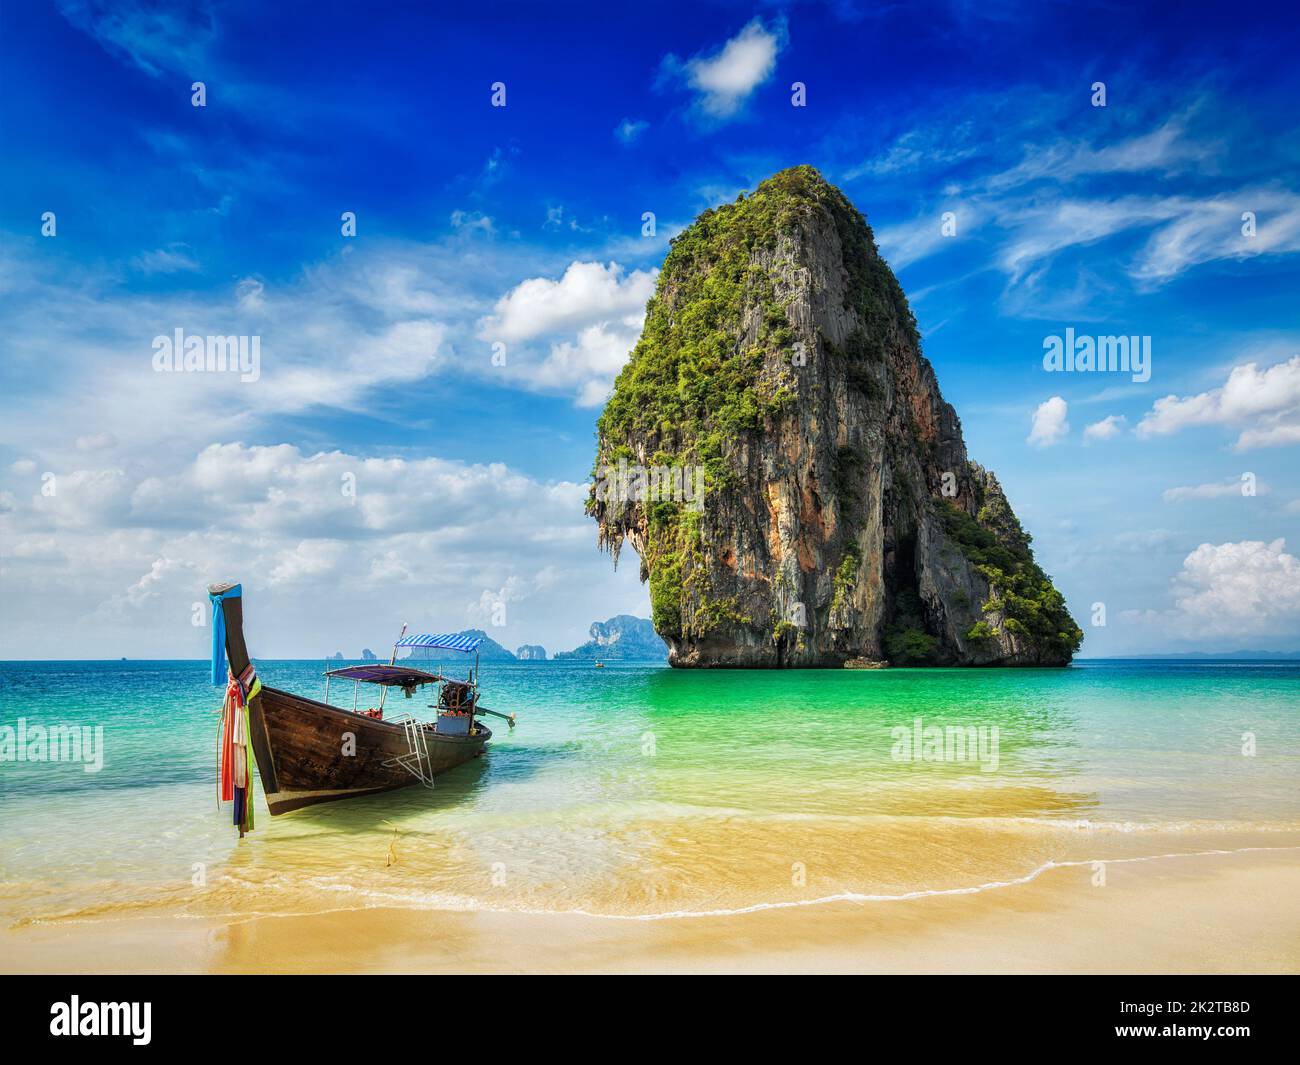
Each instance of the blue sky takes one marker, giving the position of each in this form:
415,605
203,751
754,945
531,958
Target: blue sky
123,490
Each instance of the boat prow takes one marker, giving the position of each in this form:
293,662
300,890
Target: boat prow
309,752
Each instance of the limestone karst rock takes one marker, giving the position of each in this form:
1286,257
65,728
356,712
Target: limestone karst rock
842,522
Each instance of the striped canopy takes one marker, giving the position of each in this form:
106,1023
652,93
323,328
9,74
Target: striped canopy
450,640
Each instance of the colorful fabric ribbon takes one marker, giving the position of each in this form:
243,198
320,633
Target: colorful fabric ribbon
219,630
235,761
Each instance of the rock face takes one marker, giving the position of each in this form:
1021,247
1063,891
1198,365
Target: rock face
531,652
842,522
621,637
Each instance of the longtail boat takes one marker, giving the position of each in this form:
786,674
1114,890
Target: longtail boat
309,752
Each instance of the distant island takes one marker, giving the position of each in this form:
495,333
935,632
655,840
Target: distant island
622,637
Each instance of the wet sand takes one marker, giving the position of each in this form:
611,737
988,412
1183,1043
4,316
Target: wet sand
1225,913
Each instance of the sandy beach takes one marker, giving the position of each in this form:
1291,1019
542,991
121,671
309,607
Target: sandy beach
1221,913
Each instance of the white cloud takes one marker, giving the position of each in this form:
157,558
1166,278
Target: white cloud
1165,148
1211,229
1214,490
917,149
325,542
590,363
96,442
1264,404
151,37
1028,211
1049,425
629,130
145,588
1106,429
491,605
165,261
1039,231
724,80
586,294
248,295
341,334
588,322
1246,587
473,221
910,241
306,561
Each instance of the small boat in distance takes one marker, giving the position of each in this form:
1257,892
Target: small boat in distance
309,752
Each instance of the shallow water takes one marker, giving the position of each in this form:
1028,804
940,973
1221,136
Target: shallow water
639,791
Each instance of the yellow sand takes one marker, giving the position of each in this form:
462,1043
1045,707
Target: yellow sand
1228,913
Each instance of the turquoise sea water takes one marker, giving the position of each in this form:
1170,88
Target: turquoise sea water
642,791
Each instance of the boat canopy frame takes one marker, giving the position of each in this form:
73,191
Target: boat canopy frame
408,678
389,675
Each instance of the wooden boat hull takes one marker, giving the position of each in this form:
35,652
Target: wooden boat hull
308,752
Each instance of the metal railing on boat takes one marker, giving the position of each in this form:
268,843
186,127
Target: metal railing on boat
416,761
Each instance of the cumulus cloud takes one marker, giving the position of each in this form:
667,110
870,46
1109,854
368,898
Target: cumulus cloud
1251,587
587,293
586,322
591,362
1049,425
1263,404
1106,429
340,335
724,80
392,538
1246,589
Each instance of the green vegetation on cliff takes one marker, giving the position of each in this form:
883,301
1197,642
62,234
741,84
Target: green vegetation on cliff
1032,608
700,376
695,380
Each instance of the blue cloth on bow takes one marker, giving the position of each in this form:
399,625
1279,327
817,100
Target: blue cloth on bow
219,631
